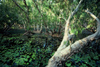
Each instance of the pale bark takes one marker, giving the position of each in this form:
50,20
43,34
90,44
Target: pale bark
66,33
63,52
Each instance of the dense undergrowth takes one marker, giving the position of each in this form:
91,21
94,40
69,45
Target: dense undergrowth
18,16
18,50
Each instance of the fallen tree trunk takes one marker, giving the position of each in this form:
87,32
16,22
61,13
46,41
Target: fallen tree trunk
63,52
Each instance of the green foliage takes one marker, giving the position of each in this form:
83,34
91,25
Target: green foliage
34,50
68,64
50,11
10,15
9,41
82,59
30,51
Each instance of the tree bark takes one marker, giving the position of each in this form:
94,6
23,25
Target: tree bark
63,52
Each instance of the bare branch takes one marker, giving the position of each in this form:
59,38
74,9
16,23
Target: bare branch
66,33
65,53
92,15
75,10
37,8
98,21
19,6
25,3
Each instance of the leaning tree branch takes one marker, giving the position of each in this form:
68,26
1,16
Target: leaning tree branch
66,37
65,53
37,8
75,10
19,6
25,3
98,21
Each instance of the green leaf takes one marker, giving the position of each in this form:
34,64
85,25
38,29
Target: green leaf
68,64
96,58
33,56
83,65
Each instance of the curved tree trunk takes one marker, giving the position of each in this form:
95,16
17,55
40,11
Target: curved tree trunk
63,52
